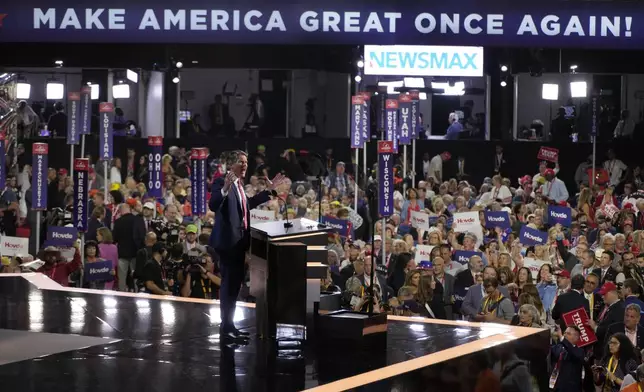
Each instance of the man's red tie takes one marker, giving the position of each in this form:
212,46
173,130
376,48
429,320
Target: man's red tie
243,203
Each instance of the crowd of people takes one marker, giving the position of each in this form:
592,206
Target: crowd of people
594,262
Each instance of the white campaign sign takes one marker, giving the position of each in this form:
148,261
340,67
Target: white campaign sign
260,216
423,252
533,265
11,246
468,222
419,220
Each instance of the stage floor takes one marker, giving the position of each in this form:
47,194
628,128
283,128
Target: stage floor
135,342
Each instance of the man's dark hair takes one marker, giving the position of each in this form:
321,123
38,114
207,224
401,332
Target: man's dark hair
594,275
576,328
577,282
494,282
610,254
633,286
204,239
176,251
158,247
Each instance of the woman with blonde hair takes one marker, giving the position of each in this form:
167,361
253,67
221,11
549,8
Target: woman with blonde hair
584,205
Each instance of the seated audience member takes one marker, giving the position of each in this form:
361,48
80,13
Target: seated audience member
637,383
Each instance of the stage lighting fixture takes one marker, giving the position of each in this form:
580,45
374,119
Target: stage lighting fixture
550,91
23,90
504,83
422,96
132,76
58,63
121,91
55,90
414,82
95,90
458,88
504,68
175,80
573,67
578,89
360,63
179,64
358,78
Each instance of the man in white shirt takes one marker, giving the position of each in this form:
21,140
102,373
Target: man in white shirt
615,168
436,166
451,267
426,164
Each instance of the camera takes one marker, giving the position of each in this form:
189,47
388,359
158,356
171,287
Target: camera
193,261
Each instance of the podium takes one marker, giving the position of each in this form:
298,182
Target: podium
286,266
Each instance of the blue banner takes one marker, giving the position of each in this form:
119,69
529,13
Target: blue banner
155,189
73,115
529,236
385,178
198,179
81,187
61,236
86,110
366,117
404,105
40,165
559,214
356,121
415,112
392,123
99,271
464,256
494,219
340,226
106,134
548,23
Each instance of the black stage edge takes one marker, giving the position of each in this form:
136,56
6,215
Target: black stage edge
172,345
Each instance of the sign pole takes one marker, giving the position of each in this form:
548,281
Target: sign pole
355,185
82,154
38,218
594,157
105,140
413,163
405,170
71,161
364,166
593,133
107,188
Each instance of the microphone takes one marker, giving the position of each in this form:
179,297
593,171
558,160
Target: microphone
288,224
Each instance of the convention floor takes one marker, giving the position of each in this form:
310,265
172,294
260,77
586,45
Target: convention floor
152,344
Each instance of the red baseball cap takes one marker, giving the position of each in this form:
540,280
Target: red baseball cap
549,171
62,172
563,273
608,286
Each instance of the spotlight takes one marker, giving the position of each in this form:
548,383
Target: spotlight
59,63
358,78
360,64
175,80
120,91
55,90
95,89
578,89
23,90
132,76
504,68
550,91
574,67
179,64
504,83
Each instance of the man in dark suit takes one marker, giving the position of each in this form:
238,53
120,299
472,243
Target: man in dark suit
595,301
568,360
612,313
571,300
629,327
231,234
605,271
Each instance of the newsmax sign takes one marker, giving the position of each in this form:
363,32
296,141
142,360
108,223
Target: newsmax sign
546,23
406,60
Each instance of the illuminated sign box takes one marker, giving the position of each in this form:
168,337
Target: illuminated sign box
414,60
